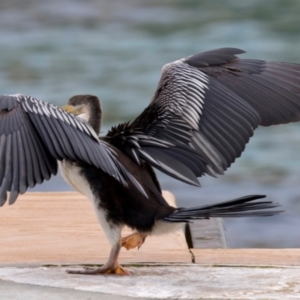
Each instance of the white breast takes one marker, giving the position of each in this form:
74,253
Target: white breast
72,175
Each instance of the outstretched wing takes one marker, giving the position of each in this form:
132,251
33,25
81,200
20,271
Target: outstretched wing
205,109
35,134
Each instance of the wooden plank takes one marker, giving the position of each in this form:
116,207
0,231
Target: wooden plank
62,227
247,257
207,234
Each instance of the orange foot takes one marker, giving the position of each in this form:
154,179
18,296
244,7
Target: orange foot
133,240
118,270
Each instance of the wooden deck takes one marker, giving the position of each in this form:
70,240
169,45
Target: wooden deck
61,228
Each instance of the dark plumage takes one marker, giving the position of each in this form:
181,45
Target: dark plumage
201,117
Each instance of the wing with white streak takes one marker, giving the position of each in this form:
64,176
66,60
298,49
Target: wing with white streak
35,134
205,109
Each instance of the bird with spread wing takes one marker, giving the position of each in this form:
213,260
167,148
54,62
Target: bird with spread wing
202,115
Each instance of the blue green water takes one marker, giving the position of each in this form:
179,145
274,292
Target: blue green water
115,49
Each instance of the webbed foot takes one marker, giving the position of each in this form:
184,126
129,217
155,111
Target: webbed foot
133,240
117,270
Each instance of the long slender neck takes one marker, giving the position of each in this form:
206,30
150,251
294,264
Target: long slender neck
94,113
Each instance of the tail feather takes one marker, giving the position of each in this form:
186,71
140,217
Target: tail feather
240,207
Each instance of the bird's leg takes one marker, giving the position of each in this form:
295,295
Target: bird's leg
133,240
110,267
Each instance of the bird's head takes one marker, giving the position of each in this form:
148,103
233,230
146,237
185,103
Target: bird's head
88,108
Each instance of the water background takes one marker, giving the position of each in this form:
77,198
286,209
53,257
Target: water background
115,49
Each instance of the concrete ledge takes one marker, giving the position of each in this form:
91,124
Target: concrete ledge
159,282
247,257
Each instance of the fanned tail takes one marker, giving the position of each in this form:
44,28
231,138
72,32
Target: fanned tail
241,207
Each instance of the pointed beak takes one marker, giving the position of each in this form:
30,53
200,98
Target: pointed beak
70,109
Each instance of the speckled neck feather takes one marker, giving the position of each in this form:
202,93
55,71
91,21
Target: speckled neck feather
94,112
91,111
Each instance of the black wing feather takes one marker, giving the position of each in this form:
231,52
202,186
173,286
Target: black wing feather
22,164
15,169
6,180
2,157
171,166
35,134
210,102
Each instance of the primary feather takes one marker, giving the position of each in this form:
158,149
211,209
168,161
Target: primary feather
205,110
